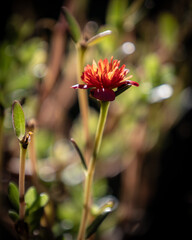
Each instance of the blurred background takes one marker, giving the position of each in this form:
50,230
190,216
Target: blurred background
145,161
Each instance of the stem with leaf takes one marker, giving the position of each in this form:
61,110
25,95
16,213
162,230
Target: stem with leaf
18,119
91,169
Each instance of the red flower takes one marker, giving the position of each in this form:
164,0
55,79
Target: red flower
105,77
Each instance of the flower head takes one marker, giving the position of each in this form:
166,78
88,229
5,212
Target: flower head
104,78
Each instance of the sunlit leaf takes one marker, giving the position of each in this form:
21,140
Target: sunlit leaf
106,205
30,197
18,119
98,38
13,195
44,198
74,27
40,202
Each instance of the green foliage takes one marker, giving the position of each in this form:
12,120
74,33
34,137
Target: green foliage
115,13
19,54
18,119
152,66
74,27
168,27
92,228
35,204
13,195
106,206
30,198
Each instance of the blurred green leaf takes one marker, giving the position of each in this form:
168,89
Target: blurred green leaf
44,198
45,140
168,27
13,215
98,38
40,202
18,120
74,27
115,13
30,197
34,218
13,195
152,69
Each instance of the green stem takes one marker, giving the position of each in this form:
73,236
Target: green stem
91,170
22,181
82,94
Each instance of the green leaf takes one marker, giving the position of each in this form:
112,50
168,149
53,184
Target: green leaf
92,228
44,198
40,202
13,215
80,154
18,119
106,205
98,38
13,195
30,197
74,27
34,218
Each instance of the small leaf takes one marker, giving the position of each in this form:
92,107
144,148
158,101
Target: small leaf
13,215
13,195
40,202
80,154
106,205
98,38
92,228
44,198
30,197
18,119
74,27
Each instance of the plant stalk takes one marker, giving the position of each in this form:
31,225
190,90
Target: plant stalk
22,182
82,94
31,126
91,169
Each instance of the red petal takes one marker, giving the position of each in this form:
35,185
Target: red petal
133,83
103,94
81,86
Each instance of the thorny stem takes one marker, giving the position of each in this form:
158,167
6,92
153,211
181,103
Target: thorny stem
23,151
82,94
91,169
